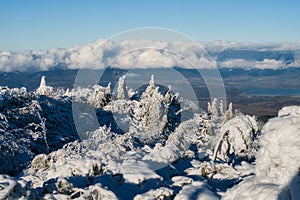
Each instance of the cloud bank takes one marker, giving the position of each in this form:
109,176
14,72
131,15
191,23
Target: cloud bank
146,53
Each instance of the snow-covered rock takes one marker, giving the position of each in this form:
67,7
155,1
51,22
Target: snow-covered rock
7,185
196,190
97,192
160,193
252,189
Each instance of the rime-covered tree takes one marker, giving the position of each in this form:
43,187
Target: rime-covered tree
43,89
121,90
214,110
101,96
149,114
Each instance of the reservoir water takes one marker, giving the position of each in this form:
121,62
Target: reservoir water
272,91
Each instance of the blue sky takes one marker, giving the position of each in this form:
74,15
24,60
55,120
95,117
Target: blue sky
45,24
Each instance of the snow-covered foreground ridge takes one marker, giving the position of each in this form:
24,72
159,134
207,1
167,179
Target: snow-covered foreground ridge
142,147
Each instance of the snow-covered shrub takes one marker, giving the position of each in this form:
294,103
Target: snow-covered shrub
96,96
31,124
149,115
150,118
237,139
60,128
277,161
218,114
22,130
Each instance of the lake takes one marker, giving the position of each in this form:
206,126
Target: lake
272,91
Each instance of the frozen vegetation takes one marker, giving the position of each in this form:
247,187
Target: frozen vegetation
145,146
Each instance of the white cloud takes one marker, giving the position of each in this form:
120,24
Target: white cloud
269,64
146,53
237,63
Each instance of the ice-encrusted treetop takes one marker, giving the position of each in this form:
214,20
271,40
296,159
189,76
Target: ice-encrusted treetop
43,89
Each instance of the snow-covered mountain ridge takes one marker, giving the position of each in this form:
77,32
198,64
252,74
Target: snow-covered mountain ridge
141,148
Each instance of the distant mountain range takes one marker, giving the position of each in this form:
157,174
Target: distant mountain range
241,79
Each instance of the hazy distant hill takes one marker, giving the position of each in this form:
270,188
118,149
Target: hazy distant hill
288,78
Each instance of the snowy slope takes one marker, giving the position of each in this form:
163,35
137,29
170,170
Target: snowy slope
140,148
